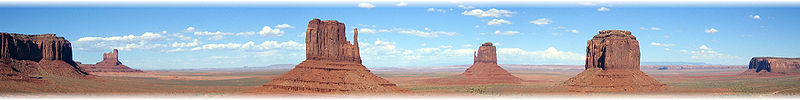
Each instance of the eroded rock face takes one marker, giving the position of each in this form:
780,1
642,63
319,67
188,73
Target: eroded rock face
33,57
332,65
612,64
773,66
484,70
110,63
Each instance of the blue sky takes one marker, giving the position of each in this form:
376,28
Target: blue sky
414,34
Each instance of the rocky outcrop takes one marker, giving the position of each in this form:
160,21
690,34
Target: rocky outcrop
484,70
332,65
773,66
110,63
612,64
33,57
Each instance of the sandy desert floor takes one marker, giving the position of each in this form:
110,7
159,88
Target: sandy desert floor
542,82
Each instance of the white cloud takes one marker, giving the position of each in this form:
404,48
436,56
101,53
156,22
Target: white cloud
667,36
603,9
465,7
426,34
436,10
661,44
267,31
423,44
704,52
366,30
189,29
712,31
128,42
365,5
587,3
181,36
541,21
498,22
498,32
365,25
427,29
186,44
251,46
488,13
483,33
549,53
556,34
477,26
651,28
284,26
467,45
573,31
446,46
755,17
401,4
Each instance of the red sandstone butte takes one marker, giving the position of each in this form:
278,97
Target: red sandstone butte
332,65
612,65
773,66
36,57
484,70
110,63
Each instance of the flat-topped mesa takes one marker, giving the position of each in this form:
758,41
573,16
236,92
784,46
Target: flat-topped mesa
332,65
612,64
486,54
326,40
110,58
484,70
110,63
26,55
613,50
773,66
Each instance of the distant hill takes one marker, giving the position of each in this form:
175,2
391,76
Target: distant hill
674,63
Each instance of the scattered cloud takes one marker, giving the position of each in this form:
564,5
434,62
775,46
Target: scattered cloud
573,31
498,22
712,31
651,28
426,34
189,29
587,3
186,44
662,44
498,32
705,52
467,45
366,30
755,16
541,21
365,5
284,26
251,46
477,26
488,13
556,34
465,7
549,53
218,35
603,9
436,10
128,42
365,25
401,4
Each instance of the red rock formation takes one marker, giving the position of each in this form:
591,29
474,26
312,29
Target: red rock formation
484,70
612,64
110,63
773,66
332,65
31,57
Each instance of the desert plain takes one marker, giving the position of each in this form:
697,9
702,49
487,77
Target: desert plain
539,80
